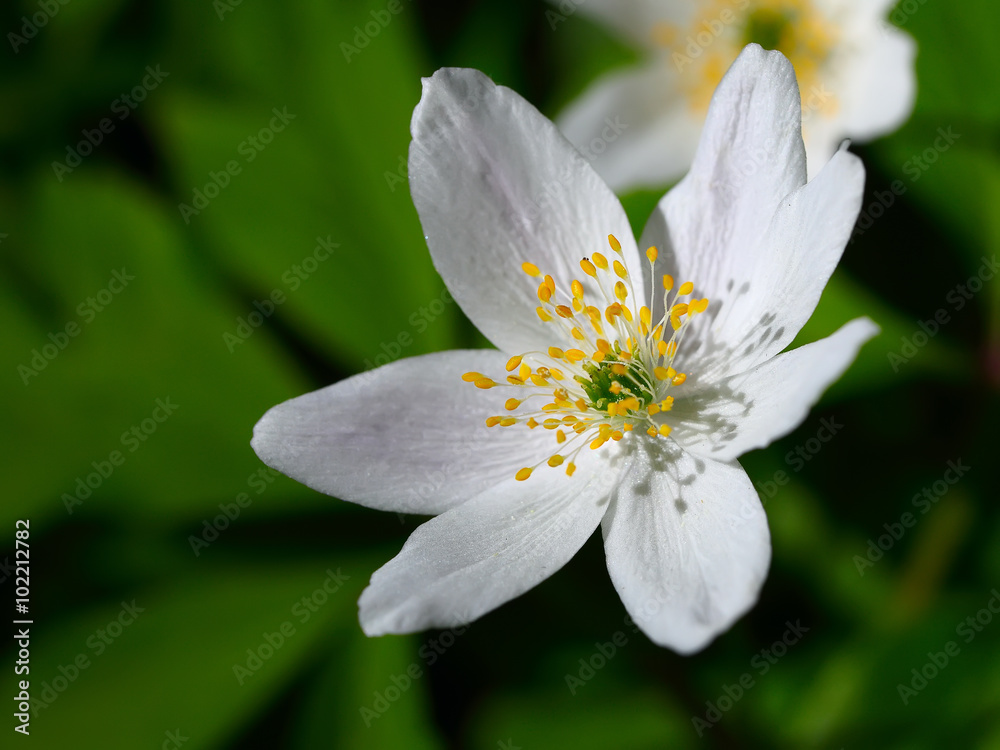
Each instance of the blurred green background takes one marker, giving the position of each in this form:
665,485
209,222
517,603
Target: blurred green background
189,597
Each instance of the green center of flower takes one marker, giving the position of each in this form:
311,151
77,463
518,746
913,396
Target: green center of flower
769,28
619,373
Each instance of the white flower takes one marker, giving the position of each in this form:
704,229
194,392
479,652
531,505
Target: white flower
855,72
625,395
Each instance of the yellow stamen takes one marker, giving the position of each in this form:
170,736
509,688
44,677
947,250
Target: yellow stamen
522,474
615,244
511,404
531,269
652,253
512,363
484,383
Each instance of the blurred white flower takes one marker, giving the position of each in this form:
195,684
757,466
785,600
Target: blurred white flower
855,73
624,387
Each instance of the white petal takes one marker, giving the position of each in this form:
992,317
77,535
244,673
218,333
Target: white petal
407,437
496,185
750,410
635,126
774,286
750,157
636,20
881,91
688,546
470,560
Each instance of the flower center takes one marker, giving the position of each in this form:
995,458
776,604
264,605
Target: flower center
619,374
704,51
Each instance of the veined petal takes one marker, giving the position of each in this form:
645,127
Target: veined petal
728,418
749,158
635,126
473,558
687,545
407,437
496,185
774,286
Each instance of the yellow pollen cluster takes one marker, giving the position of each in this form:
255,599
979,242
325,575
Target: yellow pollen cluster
702,52
616,378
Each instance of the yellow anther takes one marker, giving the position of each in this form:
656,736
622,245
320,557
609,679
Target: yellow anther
667,404
577,304
671,349
564,311
557,374
615,244
600,261
679,310
626,312
615,387
612,409
660,373
668,281
651,432
598,357
508,422
604,430
611,311
555,460
577,288
631,404
665,430
617,435
550,424
575,355
538,379
550,283
686,288
699,305
581,404
603,346
570,468
472,377
578,334
514,380
532,424
524,372
597,443
560,437
619,369
555,352
652,253
662,348
511,404
544,293
621,292
646,317
628,427
679,380
484,383
588,268
543,314
561,394
513,363
652,409
620,270
675,322
493,421
531,269
522,475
